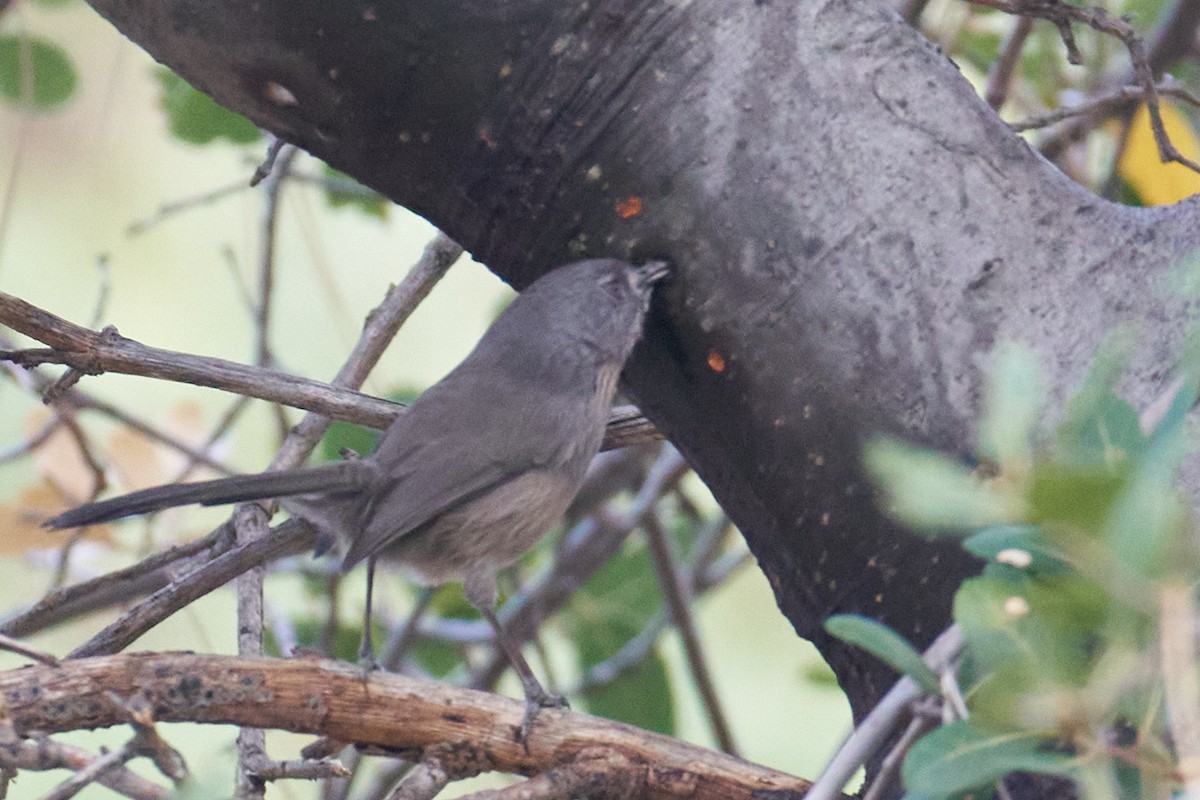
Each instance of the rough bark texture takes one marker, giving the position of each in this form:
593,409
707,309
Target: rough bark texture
469,732
853,229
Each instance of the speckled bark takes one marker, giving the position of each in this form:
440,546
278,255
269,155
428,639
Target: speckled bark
853,228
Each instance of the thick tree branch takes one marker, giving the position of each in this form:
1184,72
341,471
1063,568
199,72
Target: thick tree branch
380,711
853,229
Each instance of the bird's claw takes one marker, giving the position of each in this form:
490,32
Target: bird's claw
534,703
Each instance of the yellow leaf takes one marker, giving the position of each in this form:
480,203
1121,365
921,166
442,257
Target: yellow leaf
1141,167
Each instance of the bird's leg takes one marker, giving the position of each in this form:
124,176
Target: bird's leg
366,647
536,697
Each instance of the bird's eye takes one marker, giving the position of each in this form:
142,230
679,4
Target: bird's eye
613,285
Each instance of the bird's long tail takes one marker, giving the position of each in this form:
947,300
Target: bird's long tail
342,476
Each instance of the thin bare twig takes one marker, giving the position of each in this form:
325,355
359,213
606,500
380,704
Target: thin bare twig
1000,75
1063,14
168,210
890,766
31,442
1104,103
113,588
308,769
382,325
85,350
82,400
1177,643
290,538
250,525
20,648
47,754
264,169
678,602
597,774
145,742
81,348
699,574
424,781
249,521
879,723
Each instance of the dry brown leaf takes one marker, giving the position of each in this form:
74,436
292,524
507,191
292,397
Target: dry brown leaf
140,463
21,521
59,459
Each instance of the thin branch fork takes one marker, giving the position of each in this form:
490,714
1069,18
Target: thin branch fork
88,352
382,711
1062,15
94,353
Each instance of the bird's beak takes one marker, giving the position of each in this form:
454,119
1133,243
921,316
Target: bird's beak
652,272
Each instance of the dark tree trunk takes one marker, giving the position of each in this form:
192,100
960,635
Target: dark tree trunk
853,229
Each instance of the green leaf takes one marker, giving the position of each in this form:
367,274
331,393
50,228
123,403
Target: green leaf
614,606
979,48
35,74
450,602
438,658
640,695
343,645
819,674
1101,428
1148,521
1012,409
1078,497
886,645
960,757
1013,544
1110,434
1027,635
196,118
935,494
343,191
347,435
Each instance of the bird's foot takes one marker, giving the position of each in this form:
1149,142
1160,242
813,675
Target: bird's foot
367,662
535,701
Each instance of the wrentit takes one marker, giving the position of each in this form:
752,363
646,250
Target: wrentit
482,463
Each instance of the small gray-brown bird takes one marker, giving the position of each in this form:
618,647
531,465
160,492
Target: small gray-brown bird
480,465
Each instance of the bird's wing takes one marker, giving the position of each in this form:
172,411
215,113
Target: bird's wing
455,443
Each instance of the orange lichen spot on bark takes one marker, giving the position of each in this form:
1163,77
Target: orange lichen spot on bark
629,207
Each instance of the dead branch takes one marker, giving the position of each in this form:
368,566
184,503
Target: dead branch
381,711
86,351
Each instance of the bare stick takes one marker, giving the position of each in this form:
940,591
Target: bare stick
1177,643
113,588
46,754
290,538
1000,75
878,725
20,648
384,711
678,602
1105,103
94,353
84,350
1063,14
